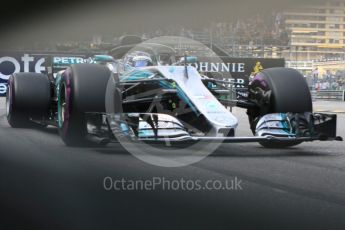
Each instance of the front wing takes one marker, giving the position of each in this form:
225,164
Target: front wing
149,128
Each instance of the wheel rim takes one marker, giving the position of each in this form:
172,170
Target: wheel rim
62,105
8,101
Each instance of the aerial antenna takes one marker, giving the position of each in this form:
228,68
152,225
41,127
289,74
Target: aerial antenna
185,65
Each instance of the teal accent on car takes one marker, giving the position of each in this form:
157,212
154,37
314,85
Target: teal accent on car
180,94
136,74
103,58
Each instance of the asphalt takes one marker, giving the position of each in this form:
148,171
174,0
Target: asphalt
46,185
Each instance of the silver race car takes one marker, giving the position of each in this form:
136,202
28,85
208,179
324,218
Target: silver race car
149,92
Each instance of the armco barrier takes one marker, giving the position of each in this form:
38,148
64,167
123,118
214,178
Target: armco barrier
328,95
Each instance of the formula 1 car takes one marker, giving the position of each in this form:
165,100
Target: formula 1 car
167,100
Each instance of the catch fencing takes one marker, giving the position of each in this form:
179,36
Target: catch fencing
328,95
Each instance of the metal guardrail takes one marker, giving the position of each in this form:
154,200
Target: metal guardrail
329,95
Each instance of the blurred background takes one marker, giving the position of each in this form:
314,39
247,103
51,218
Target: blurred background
309,35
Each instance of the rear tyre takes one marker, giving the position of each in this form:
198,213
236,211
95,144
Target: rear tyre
81,89
28,97
278,90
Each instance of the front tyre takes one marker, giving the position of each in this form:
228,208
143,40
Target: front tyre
278,90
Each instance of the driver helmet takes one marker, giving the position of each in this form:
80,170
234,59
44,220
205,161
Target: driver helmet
140,59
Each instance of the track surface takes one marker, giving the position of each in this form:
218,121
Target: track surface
46,185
